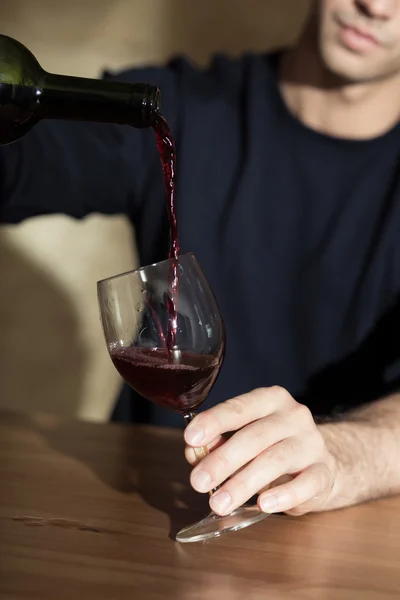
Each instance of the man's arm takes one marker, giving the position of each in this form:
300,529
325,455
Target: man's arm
71,168
366,445
293,464
80,168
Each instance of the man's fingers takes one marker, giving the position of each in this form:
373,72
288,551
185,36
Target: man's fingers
245,445
303,494
192,456
284,457
235,414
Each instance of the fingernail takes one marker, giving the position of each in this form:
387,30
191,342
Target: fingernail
220,502
194,435
269,503
201,481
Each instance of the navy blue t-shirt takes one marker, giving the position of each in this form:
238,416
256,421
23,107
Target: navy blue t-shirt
297,232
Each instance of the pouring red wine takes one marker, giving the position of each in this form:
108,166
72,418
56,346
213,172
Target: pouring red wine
177,370
170,378
170,349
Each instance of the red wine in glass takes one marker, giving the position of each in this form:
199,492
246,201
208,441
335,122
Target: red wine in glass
181,387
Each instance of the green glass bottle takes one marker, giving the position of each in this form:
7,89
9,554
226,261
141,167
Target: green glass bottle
29,94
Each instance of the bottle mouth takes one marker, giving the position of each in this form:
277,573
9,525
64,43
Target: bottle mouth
151,105
157,101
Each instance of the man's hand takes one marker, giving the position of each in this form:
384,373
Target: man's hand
277,451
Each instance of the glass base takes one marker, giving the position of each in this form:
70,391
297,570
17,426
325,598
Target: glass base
213,526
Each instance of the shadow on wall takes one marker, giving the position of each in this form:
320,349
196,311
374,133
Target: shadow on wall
35,315
49,314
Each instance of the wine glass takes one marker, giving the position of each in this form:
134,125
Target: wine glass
166,337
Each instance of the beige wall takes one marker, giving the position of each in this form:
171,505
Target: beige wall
52,354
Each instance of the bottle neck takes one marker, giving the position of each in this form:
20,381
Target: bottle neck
80,99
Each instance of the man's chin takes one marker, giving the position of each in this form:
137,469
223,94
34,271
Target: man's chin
345,69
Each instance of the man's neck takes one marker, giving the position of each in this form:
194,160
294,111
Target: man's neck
327,105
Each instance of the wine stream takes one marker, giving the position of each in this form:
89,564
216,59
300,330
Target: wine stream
166,149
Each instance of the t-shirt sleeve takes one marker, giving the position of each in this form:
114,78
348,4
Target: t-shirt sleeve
80,168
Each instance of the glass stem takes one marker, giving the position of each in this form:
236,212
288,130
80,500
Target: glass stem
202,452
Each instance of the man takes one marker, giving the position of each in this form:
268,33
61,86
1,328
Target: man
288,195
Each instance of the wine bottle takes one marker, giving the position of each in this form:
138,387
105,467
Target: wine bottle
29,94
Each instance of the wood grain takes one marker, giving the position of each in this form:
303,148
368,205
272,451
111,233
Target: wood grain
89,511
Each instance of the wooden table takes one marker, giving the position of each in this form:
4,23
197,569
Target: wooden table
89,512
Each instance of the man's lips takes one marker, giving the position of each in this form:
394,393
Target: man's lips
357,39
